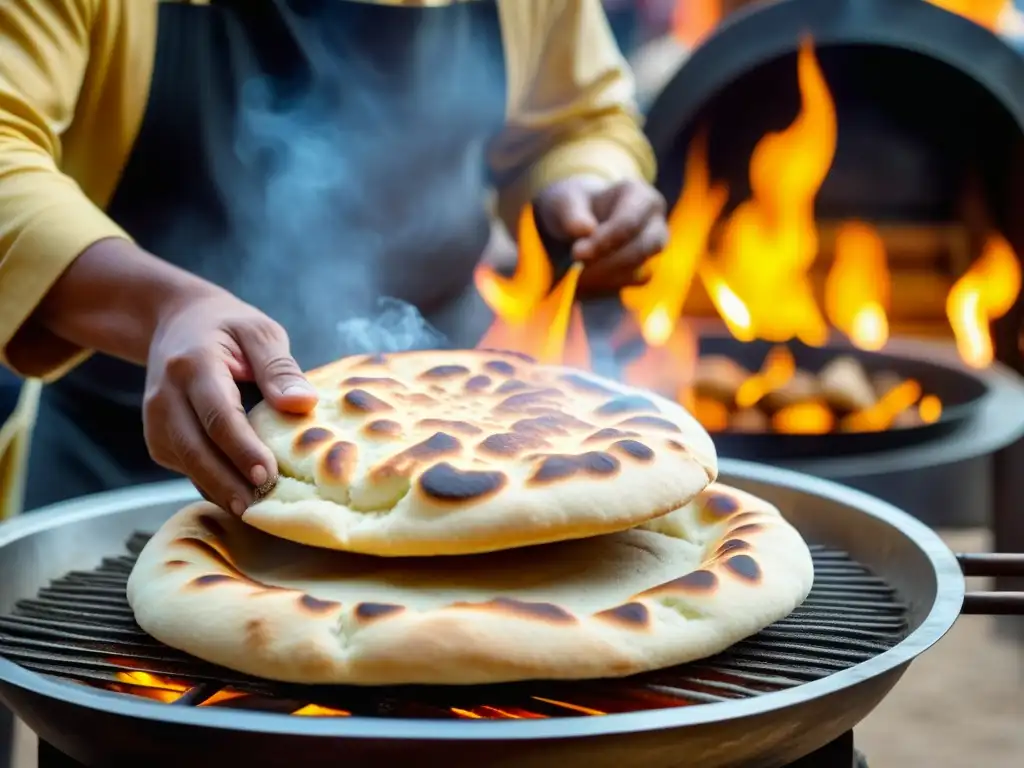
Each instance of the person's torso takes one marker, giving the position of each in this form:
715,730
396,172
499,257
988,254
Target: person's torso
313,156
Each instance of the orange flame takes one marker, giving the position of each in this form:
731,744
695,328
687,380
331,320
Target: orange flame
693,20
985,13
770,241
528,318
315,710
514,298
669,368
984,293
151,686
658,304
858,286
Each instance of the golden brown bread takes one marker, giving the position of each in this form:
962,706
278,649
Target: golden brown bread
458,452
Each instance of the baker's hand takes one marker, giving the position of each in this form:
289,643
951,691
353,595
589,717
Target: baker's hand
614,228
193,416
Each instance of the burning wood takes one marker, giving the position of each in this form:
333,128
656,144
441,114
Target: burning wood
785,399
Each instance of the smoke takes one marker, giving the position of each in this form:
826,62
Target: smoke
394,326
329,226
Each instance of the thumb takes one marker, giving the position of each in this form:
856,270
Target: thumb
277,374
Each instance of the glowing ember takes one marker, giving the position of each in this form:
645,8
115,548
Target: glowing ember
712,414
883,413
778,369
813,417
150,686
222,696
929,409
984,293
573,707
496,713
314,710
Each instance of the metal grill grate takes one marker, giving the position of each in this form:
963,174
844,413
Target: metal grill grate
81,628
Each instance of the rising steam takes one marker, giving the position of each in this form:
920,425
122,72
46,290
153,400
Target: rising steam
336,222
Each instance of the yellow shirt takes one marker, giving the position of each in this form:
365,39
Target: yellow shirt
74,82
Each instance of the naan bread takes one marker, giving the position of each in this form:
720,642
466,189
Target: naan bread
459,452
683,587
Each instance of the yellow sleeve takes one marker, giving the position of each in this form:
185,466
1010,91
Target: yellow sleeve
46,220
571,102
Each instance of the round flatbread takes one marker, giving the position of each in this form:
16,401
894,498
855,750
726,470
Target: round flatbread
682,587
467,451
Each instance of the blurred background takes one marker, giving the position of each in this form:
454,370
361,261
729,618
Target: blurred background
888,136
864,338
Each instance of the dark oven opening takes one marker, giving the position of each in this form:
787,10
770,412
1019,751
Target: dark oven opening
925,174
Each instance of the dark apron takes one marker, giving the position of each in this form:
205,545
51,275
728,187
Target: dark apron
311,156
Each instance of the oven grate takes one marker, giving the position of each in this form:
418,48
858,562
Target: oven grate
81,629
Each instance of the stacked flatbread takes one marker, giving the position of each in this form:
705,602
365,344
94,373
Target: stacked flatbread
473,517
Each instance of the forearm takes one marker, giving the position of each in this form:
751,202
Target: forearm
112,297
574,112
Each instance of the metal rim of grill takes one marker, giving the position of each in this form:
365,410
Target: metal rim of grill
114,571
81,628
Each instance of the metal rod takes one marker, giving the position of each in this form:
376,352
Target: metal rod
990,564
993,604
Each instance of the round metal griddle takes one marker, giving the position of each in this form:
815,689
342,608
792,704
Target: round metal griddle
776,728
959,392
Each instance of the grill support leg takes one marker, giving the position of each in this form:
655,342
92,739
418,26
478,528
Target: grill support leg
6,736
49,757
836,754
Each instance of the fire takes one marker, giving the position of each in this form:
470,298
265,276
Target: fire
984,293
778,368
813,417
755,264
169,690
693,20
667,368
857,289
883,413
315,710
150,686
658,305
530,316
929,409
223,695
985,13
770,241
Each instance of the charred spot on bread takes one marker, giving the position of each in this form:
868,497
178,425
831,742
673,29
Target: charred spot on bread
443,482
361,401
562,467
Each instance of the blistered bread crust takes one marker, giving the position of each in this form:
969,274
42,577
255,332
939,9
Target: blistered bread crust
468,451
188,592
